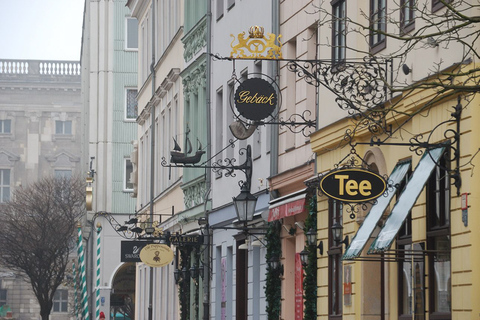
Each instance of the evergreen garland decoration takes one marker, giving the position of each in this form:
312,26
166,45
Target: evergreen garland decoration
273,283
310,278
184,284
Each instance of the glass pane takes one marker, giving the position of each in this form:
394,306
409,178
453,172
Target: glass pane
131,104
376,212
58,127
406,201
68,127
132,33
442,266
7,126
128,172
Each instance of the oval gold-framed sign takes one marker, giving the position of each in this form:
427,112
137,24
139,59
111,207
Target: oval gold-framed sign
353,185
156,255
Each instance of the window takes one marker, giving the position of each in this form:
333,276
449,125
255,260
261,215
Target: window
405,275
63,127
6,126
60,301
3,297
335,285
438,241
127,185
438,4
407,15
4,185
131,42
131,111
338,31
219,9
230,4
63,174
378,25
241,282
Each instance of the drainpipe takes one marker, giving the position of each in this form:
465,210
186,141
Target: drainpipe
275,129
207,253
152,154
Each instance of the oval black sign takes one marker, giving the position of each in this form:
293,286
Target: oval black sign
353,185
255,99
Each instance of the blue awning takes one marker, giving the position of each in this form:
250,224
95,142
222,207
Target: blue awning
368,226
406,201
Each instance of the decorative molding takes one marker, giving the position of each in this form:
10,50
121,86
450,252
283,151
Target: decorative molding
194,80
63,159
195,40
8,159
194,193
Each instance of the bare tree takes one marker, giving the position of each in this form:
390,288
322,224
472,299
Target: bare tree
416,31
38,233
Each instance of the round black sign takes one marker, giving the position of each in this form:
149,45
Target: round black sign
353,185
255,99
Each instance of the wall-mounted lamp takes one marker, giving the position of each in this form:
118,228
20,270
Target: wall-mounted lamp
244,246
312,240
257,242
337,231
196,271
406,69
274,264
177,275
300,224
304,257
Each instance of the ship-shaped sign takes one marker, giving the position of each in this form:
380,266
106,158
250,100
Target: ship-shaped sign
179,157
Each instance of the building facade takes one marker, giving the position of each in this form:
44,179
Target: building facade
41,135
405,255
109,96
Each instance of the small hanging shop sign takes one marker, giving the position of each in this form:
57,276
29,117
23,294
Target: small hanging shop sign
255,99
353,185
156,255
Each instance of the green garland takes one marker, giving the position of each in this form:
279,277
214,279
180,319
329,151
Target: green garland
310,279
273,286
184,284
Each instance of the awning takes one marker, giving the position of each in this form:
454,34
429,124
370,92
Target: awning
376,212
406,201
287,206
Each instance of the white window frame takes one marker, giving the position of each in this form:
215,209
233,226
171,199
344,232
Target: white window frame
127,48
126,179
63,173
126,118
63,133
5,186
2,126
59,301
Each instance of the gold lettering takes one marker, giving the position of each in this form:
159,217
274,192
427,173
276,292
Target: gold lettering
341,177
245,97
365,187
351,186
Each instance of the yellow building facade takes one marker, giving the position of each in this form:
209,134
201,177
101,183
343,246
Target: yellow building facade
417,259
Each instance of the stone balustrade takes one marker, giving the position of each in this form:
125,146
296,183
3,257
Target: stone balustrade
39,67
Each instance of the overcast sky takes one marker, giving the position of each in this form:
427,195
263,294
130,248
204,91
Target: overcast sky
41,29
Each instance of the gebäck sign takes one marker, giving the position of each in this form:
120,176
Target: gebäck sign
353,185
255,99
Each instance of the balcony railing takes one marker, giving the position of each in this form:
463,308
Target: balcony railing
39,67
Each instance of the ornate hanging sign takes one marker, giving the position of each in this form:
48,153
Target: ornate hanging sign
353,185
256,45
156,255
255,99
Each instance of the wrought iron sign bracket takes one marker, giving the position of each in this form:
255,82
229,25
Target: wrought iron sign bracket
226,164
451,142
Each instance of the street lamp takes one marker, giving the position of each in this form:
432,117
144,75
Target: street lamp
245,204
